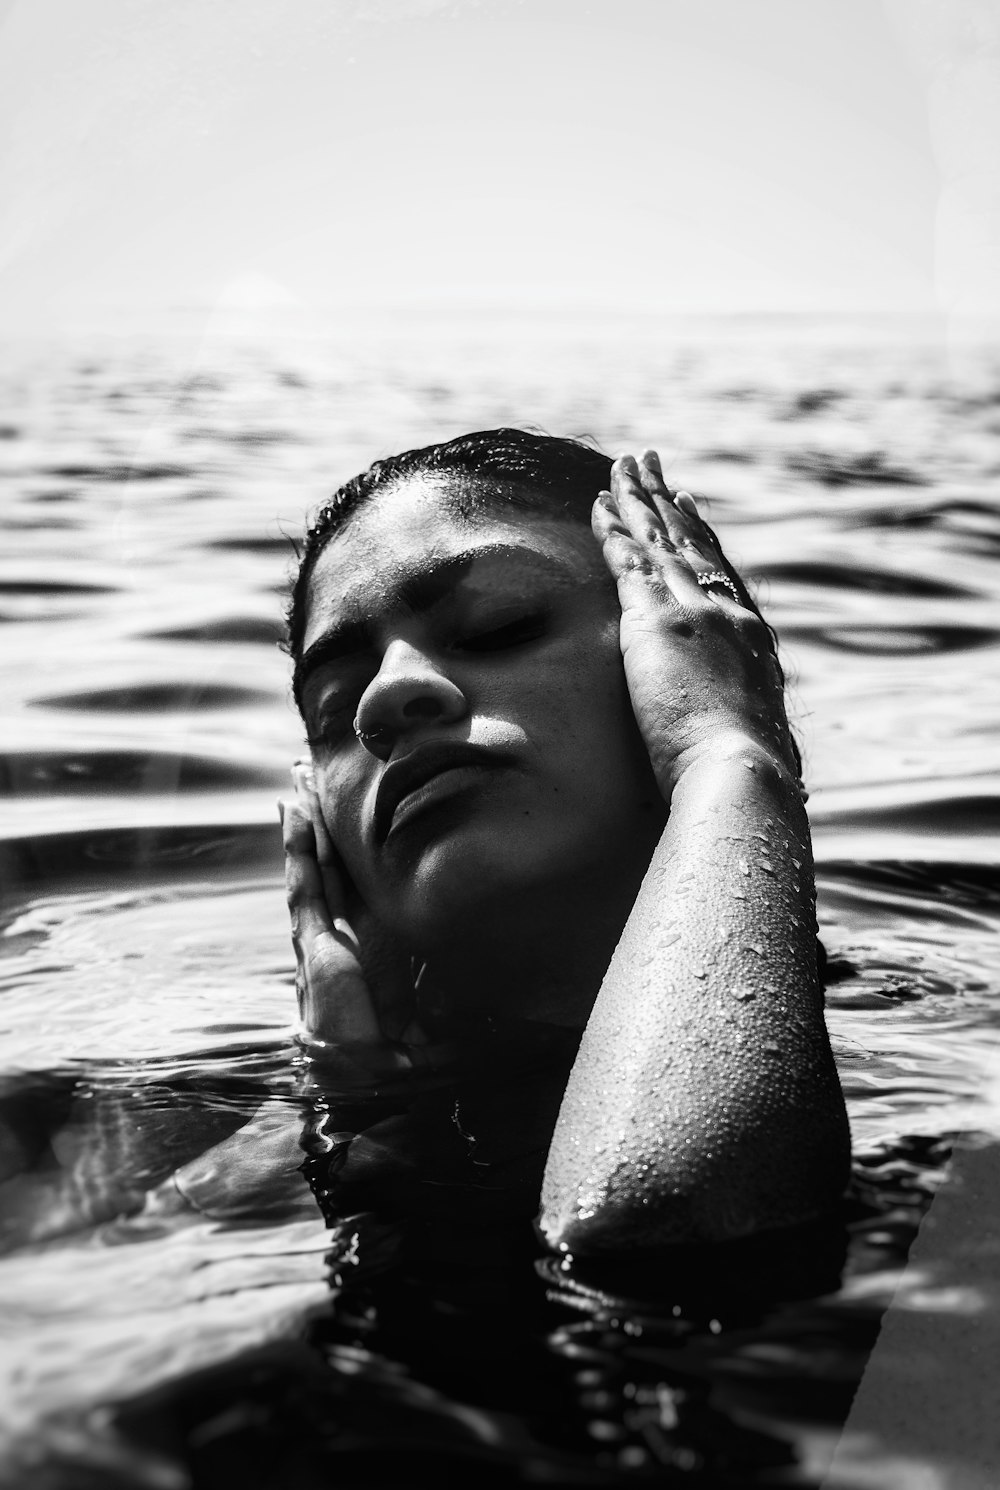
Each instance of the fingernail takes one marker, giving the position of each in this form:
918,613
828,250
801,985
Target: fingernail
652,459
302,777
687,503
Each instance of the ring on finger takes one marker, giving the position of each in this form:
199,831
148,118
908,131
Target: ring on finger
719,577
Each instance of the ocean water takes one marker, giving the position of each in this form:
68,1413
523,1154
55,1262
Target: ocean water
152,493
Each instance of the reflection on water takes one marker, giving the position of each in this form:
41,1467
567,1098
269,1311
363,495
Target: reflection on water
206,1279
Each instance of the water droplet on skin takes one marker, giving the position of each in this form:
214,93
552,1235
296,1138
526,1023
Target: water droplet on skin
750,765
744,867
754,947
738,895
744,994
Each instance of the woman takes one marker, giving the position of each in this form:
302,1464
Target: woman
552,791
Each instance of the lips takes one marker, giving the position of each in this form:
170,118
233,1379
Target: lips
402,778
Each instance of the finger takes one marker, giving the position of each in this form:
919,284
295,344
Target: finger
626,559
713,549
644,526
314,910
679,511
656,489
690,514
622,553
690,536
647,481
334,1000
331,869
696,547
307,903
689,532
635,505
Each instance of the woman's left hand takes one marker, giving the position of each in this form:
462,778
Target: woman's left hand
699,660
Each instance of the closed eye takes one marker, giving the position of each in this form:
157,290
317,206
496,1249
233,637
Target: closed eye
511,634
332,722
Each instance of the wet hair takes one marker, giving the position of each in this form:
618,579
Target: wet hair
490,469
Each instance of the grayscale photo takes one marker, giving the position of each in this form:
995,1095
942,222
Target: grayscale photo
500,612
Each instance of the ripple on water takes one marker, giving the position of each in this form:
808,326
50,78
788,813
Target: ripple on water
819,573
911,994
904,641
158,698
40,772
252,544
968,810
113,471
266,629
165,950
960,513
35,599
52,587
159,969
109,856
836,468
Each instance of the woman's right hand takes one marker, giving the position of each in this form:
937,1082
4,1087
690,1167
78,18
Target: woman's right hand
337,1006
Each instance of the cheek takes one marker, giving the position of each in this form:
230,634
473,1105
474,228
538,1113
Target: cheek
578,703
595,679
341,800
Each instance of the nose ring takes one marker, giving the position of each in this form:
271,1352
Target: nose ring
371,737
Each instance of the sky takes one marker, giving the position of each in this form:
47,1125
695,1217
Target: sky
313,156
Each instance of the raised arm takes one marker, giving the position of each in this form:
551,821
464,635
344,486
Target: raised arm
704,1103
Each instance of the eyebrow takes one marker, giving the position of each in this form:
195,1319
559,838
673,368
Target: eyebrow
415,593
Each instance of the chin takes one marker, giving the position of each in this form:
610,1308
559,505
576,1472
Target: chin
466,883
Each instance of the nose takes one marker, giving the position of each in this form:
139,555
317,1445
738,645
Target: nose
408,691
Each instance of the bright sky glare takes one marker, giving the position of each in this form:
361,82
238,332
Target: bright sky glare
672,155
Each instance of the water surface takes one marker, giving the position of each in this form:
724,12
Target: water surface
152,495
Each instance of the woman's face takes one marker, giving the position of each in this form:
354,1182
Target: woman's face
480,658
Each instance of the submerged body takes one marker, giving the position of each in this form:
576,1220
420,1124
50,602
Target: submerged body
552,781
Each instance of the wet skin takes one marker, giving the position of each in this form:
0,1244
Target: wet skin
704,1101
436,631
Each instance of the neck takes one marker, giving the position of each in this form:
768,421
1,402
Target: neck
541,959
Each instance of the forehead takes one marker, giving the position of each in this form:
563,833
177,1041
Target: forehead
416,527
